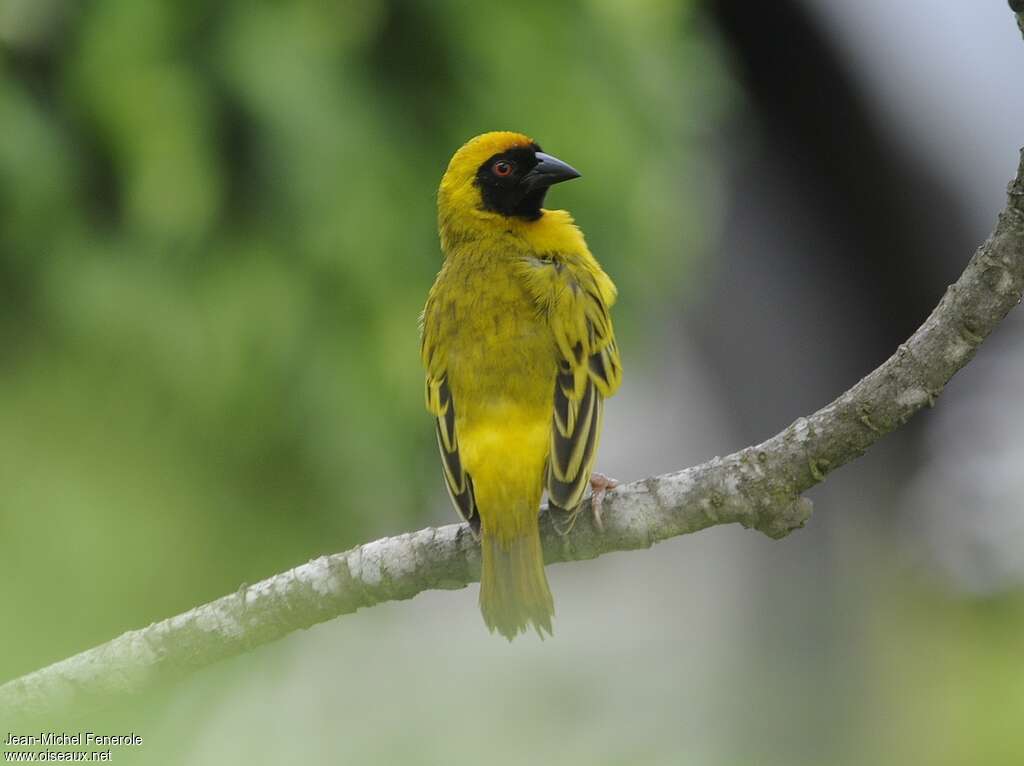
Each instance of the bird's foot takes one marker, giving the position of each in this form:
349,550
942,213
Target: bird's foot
599,485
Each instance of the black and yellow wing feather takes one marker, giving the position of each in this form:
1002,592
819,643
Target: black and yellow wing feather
440,404
589,369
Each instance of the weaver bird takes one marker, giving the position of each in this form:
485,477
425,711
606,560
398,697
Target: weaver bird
519,354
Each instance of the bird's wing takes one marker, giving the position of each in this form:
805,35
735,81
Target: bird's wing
442,407
589,370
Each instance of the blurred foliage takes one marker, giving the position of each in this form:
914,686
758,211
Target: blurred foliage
216,234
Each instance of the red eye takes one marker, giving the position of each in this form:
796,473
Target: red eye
502,168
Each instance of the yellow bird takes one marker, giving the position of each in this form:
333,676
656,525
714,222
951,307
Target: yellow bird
519,354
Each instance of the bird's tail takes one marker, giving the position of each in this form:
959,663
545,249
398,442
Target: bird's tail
514,591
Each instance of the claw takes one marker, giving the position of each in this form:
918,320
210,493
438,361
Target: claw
599,485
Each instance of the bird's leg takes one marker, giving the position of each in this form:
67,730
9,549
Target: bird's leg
599,485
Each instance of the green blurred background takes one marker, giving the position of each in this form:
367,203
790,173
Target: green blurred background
216,234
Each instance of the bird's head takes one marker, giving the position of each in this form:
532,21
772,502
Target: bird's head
500,174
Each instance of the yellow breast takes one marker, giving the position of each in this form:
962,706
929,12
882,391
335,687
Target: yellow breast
501,365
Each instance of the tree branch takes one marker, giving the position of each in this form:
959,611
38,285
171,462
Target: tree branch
758,487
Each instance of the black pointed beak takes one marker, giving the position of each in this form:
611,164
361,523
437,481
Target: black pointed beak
548,172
